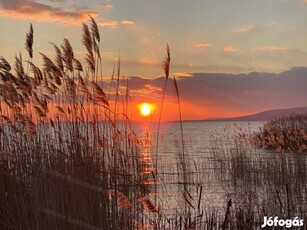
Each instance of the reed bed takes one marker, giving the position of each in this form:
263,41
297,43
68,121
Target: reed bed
261,183
284,134
68,158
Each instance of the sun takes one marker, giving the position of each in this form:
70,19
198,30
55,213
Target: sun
145,109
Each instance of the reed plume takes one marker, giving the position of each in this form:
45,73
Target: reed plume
38,75
78,65
58,57
96,38
166,62
94,29
87,39
19,67
29,41
99,95
68,54
88,43
4,64
48,64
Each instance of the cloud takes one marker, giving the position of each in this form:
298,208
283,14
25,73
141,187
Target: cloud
127,22
229,94
270,48
146,90
245,29
230,49
211,95
26,9
183,74
147,60
112,24
202,45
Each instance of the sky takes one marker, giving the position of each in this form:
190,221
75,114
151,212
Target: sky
260,41
216,95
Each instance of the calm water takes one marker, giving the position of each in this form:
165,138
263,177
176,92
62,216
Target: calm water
201,140
210,155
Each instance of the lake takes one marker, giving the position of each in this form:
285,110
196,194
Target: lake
218,158
201,140
82,169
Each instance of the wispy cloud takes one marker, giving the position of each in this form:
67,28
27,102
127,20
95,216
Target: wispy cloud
244,29
127,22
230,49
26,9
183,74
269,48
202,45
112,24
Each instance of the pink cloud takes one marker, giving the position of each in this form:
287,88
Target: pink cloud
203,45
112,24
26,9
183,74
127,22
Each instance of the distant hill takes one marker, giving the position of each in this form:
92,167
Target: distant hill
267,114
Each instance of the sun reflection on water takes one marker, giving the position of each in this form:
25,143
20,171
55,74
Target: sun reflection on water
146,157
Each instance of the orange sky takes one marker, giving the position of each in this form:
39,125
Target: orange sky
209,96
170,112
258,57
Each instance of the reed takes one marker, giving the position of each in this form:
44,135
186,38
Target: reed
65,162
283,134
261,183
166,68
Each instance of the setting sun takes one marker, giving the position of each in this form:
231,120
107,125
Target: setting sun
146,109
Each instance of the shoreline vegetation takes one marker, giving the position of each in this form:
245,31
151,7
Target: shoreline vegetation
283,134
62,168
